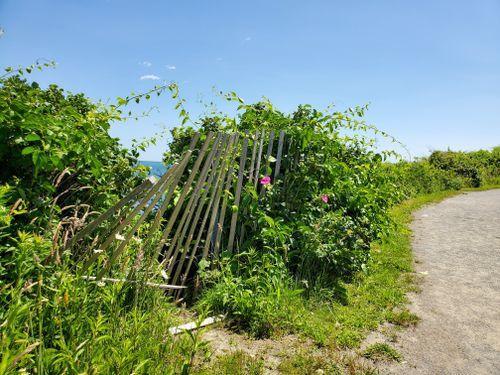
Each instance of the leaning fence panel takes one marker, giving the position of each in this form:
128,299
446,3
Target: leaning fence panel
182,218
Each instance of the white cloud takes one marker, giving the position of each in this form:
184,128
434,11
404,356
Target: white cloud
247,39
170,67
146,64
2,31
150,76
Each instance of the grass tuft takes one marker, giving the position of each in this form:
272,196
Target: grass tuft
235,363
307,363
382,352
403,318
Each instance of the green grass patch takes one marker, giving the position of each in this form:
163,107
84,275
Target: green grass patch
382,352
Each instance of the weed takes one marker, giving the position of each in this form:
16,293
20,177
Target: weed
382,352
403,318
234,363
309,363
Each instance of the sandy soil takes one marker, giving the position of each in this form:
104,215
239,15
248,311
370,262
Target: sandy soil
457,251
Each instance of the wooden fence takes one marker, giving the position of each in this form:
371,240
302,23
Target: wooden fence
192,211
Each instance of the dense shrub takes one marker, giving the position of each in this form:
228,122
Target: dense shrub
421,177
476,168
56,151
330,173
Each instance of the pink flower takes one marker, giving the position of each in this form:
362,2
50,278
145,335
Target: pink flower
265,180
324,198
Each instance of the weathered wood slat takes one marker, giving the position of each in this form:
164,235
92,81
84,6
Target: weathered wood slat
187,187
254,154
215,209
194,223
279,154
234,216
147,283
185,221
222,214
214,178
194,325
184,191
259,157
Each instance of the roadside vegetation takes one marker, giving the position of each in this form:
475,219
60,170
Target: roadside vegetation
327,254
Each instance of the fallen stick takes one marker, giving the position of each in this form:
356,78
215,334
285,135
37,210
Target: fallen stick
154,285
194,325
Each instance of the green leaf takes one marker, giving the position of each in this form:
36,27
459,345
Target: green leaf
28,150
269,220
32,137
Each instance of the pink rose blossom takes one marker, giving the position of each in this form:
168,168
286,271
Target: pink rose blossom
324,198
265,180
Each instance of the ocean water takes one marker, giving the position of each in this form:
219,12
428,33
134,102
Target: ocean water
157,167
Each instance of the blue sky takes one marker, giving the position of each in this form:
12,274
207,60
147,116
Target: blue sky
430,69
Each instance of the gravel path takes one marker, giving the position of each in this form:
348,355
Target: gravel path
457,251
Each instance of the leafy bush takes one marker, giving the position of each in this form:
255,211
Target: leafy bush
476,168
335,245
421,177
56,151
328,172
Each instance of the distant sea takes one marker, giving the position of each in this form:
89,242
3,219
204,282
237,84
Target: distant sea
157,167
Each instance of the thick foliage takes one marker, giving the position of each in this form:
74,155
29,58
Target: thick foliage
329,177
475,168
56,151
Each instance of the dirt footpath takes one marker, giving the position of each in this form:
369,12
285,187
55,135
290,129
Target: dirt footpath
457,250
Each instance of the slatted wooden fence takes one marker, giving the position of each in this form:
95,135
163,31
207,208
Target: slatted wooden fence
193,210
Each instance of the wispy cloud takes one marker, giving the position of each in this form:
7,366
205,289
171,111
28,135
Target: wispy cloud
247,39
146,64
170,67
2,31
218,59
149,76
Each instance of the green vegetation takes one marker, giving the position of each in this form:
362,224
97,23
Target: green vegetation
381,352
235,363
59,166
327,251
306,363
